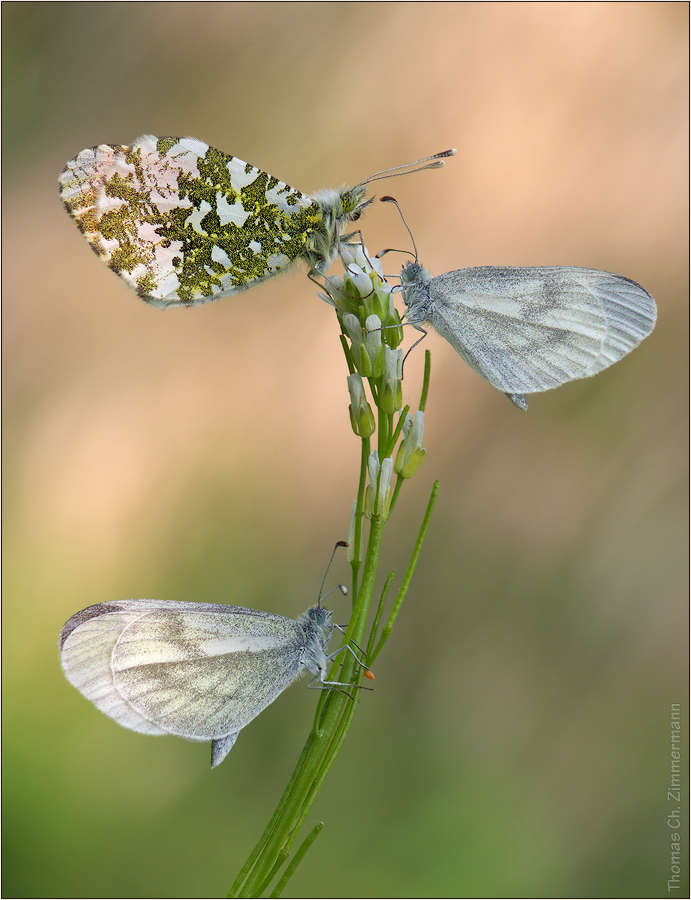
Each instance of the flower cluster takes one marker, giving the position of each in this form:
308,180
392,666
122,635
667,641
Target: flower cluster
371,328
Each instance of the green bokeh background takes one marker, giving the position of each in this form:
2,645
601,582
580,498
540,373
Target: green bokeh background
518,740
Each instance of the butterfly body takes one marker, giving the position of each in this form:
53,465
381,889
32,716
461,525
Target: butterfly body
531,329
184,224
201,671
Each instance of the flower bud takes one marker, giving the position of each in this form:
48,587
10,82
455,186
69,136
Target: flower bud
373,345
336,296
390,391
410,453
378,491
354,331
361,282
384,493
371,489
393,333
361,415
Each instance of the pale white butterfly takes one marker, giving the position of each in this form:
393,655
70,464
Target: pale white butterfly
201,671
531,329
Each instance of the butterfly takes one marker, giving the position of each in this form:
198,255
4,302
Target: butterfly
531,329
201,671
184,224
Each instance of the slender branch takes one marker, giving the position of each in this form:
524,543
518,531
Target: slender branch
297,859
336,708
403,590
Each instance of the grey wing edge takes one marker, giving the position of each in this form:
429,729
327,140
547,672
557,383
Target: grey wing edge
517,400
221,747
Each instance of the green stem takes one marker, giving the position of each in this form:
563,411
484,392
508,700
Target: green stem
336,708
348,354
297,859
396,492
397,431
403,590
360,502
382,433
425,380
331,724
378,614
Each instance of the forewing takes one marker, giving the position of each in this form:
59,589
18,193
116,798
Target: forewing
532,329
199,671
183,223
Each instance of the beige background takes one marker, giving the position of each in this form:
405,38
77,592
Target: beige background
517,743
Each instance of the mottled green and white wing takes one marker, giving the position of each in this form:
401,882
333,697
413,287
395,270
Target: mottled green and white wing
184,224
532,329
196,670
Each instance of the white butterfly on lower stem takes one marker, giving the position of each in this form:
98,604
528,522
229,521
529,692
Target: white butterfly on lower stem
201,671
531,329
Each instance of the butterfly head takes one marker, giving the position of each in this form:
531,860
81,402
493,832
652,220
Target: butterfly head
344,205
413,273
316,627
353,202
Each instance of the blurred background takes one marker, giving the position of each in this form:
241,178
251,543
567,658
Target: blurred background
518,740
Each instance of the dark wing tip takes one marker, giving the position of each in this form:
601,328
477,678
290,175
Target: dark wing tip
79,618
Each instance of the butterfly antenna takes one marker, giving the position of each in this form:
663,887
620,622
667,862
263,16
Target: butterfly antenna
395,202
408,168
342,587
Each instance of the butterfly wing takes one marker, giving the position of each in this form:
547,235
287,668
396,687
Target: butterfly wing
182,223
532,329
197,670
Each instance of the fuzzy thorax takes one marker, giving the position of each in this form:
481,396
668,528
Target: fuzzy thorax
338,208
416,292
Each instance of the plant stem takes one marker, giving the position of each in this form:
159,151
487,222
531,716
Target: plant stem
336,708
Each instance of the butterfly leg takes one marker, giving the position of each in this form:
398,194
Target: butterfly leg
337,685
